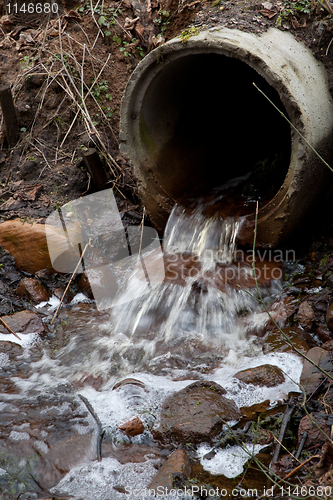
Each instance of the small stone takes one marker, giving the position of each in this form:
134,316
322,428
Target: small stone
100,284
263,376
328,346
23,322
132,427
33,289
306,315
324,333
175,470
329,317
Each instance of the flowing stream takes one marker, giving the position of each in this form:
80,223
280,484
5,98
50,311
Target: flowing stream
195,324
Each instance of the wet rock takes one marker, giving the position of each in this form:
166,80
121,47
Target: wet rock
178,267
132,427
263,376
125,453
173,473
275,341
311,376
99,284
23,322
280,311
324,333
33,289
328,346
195,414
27,243
306,315
329,317
42,437
251,412
316,427
11,349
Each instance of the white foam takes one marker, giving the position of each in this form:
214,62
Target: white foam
19,436
79,298
229,461
53,303
97,480
248,394
25,340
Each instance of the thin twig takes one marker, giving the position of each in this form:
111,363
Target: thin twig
70,281
9,328
284,423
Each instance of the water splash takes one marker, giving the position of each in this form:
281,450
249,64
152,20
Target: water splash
193,304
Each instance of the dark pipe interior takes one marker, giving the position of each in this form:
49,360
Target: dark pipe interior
204,123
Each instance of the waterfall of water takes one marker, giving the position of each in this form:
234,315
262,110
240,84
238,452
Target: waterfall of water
195,303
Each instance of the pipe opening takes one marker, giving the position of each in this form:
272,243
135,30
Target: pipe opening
203,123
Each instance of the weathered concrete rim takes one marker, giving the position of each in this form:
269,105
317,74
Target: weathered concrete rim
300,81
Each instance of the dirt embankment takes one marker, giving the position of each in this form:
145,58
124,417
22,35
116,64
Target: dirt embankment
68,70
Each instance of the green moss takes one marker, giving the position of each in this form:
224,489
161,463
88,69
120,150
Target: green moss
188,33
146,136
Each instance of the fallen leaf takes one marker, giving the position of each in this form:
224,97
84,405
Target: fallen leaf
11,204
268,13
31,193
72,15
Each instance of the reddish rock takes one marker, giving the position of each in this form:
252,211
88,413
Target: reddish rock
195,414
310,425
175,470
329,317
280,312
264,375
311,376
132,427
33,289
306,315
134,453
23,322
178,267
27,243
324,333
251,412
59,292
99,284
328,346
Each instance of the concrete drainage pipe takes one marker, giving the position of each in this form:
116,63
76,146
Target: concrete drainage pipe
191,120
